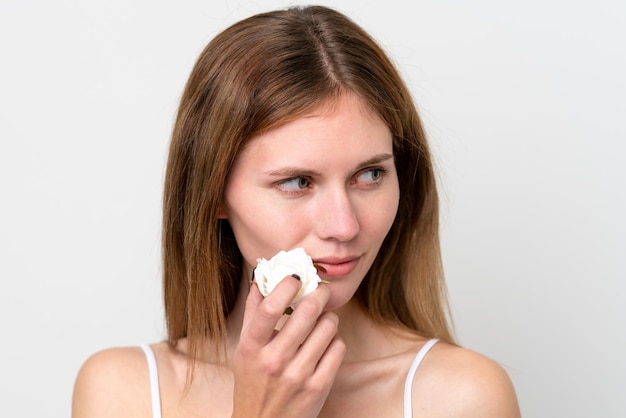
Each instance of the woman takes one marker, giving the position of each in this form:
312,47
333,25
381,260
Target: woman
295,130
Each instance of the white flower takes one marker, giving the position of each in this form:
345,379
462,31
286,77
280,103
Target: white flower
268,273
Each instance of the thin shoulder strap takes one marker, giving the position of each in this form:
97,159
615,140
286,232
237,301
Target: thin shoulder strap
154,380
408,384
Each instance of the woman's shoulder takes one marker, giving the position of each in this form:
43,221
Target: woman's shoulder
456,381
113,383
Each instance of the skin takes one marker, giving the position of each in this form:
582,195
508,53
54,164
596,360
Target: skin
325,182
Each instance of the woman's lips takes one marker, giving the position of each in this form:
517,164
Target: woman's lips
336,267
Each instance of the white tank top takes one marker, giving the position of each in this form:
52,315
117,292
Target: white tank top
155,394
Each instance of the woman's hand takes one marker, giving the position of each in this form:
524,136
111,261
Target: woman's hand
286,373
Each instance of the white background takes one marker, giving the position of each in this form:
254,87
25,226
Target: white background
524,103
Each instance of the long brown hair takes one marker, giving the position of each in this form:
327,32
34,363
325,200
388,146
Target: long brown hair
256,75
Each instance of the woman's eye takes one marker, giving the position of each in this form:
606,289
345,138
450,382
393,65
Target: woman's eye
372,175
296,183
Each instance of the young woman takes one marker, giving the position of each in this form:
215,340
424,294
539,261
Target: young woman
295,130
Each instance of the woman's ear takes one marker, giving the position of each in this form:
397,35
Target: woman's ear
221,212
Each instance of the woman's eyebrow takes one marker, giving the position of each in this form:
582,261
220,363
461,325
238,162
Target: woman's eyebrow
301,172
292,172
376,159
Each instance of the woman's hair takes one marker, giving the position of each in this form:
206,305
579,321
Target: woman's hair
256,75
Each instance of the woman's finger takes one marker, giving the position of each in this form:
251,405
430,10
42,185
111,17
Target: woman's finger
317,342
261,316
252,301
329,363
301,322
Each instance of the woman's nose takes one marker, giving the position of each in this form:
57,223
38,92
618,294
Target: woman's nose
337,216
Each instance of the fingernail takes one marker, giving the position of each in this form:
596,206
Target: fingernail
295,276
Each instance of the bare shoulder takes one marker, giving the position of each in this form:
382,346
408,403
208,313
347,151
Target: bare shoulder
457,382
113,383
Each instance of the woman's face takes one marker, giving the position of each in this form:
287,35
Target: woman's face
326,182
